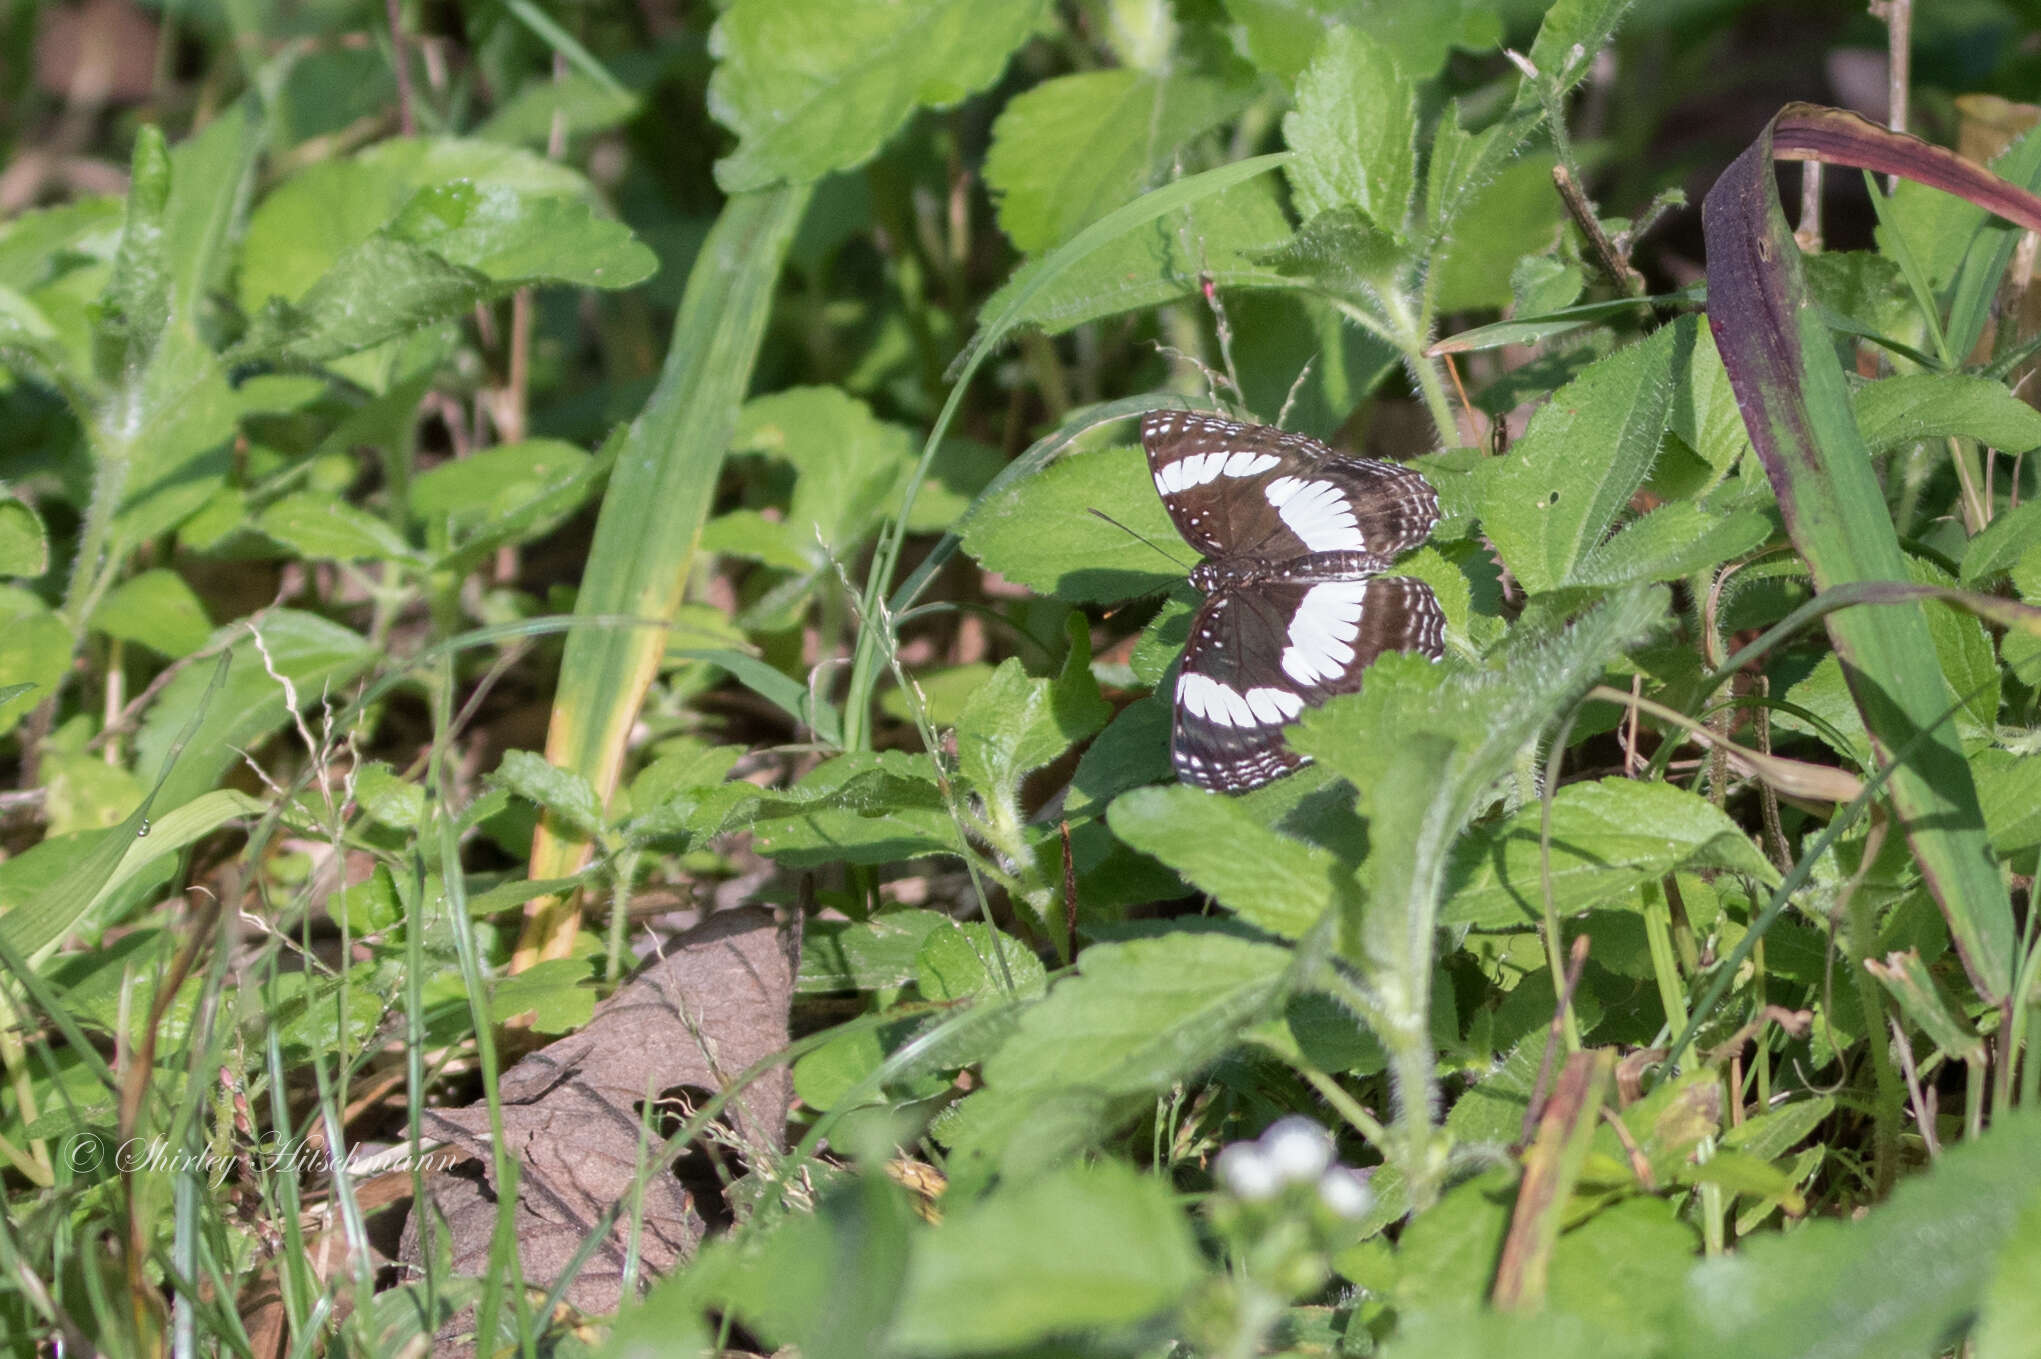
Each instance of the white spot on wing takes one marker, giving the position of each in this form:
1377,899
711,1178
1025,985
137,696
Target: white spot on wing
1322,632
1318,513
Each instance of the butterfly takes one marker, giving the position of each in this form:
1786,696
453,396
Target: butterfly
1296,539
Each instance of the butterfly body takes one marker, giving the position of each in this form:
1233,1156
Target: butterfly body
1296,540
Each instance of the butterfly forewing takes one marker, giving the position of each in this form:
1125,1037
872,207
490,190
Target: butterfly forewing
1259,655
1250,492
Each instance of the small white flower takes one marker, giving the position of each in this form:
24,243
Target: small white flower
1299,1149
1248,1173
1345,1193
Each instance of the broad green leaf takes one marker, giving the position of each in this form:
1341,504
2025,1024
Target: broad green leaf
325,527
574,104
2009,789
1901,410
1547,507
24,547
1354,129
963,961
1223,237
1267,879
1084,1248
860,807
1671,542
450,247
865,955
1141,1014
1607,837
303,228
1704,412
1624,1268
1900,1281
1131,751
492,482
2000,543
1016,723
157,609
826,1282
387,799
1071,149
849,466
2012,1309
1282,36
278,653
1423,743
558,993
1509,216
811,86
35,653
1042,533
559,791
538,484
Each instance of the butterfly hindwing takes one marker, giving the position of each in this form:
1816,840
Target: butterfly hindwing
1255,493
1259,655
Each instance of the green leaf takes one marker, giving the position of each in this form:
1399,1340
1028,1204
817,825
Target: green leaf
1141,1015
1607,837
1084,1248
157,609
450,247
864,955
860,807
1131,751
2012,1309
668,465
1899,1281
559,993
299,654
1704,412
1454,733
1547,507
964,961
1796,404
325,527
388,800
849,465
1897,411
35,652
303,228
1221,237
1282,36
495,481
1041,532
1016,724
1267,879
811,86
2009,789
1671,542
1511,215
559,791
2001,543
1071,149
24,547
1354,129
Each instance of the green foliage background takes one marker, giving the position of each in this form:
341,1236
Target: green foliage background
482,490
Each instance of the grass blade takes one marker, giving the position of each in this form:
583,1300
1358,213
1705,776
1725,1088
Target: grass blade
1797,406
651,519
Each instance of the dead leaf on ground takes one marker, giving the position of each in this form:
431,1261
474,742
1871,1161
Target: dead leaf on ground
714,1005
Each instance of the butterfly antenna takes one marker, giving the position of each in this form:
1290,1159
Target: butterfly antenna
1175,560
1283,416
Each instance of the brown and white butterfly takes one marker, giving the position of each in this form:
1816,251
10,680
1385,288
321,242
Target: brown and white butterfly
1297,540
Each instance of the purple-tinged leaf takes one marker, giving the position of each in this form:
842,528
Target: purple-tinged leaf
1796,405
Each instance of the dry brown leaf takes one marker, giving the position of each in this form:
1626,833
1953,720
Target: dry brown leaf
714,1005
